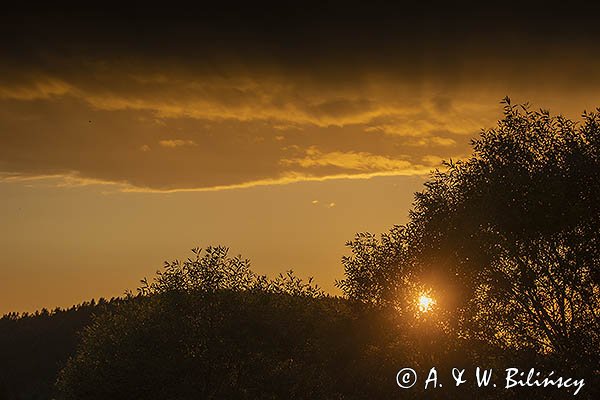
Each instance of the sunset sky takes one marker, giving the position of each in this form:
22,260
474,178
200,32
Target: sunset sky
130,135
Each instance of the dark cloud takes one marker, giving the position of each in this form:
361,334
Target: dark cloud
296,35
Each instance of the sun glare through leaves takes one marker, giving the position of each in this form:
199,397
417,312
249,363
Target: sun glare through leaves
425,303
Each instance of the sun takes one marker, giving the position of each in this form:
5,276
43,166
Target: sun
425,303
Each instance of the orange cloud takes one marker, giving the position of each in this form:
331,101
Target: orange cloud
356,161
172,143
101,123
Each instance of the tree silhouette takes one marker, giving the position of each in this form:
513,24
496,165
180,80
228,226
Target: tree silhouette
209,327
509,238
213,270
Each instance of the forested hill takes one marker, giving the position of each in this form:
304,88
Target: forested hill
35,346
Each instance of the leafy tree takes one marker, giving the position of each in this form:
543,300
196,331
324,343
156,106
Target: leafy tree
213,270
209,327
508,238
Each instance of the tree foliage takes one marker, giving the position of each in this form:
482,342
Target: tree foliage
214,270
207,327
509,237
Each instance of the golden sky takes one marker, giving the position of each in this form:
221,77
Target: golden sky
127,138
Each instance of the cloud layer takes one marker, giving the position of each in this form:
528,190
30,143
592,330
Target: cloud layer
173,102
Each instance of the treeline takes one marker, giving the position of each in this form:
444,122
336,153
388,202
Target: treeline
35,346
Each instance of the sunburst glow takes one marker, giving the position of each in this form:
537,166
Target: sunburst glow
425,303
